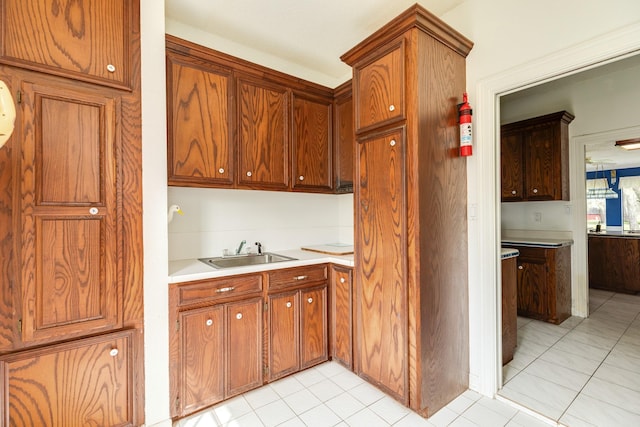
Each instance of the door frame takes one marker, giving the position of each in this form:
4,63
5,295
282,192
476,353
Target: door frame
484,179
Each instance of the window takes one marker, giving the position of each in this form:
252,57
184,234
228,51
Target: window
596,203
630,186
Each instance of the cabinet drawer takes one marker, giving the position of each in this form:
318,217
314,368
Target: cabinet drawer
297,276
211,290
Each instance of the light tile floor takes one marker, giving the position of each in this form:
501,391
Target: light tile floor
585,372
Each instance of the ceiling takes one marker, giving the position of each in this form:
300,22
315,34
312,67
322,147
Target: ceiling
598,156
309,34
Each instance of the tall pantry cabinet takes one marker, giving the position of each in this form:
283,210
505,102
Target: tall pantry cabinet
70,215
411,297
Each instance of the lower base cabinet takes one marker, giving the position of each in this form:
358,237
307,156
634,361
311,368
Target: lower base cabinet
613,263
97,391
509,309
342,315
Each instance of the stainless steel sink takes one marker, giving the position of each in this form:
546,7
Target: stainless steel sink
245,260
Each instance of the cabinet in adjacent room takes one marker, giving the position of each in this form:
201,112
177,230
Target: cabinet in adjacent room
410,292
544,283
613,263
535,158
342,315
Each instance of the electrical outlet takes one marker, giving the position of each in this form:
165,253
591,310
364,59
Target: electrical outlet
537,216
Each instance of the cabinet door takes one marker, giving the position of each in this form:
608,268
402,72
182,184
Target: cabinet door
379,93
71,285
341,315
199,137
511,166
82,39
533,293
97,390
313,326
381,289
244,346
344,142
542,163
201,358
312,150
599,268
284,334
263,142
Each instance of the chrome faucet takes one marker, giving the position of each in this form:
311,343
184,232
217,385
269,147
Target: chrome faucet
244,242
259,245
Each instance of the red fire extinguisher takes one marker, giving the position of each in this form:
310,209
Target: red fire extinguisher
464,113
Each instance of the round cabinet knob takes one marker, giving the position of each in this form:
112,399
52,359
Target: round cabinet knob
209,322
513,192
93,211
342,280
113,352
392,107
111,68
309,300
249,173
520,267
221,170
239,316
288,304
535,190
392,143
301,177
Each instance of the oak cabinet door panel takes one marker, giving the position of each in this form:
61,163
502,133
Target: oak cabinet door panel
313,319
284,334
342,315
244,346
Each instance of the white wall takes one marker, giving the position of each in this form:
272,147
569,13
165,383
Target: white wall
217,219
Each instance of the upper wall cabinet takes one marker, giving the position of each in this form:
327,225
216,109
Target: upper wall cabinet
379,91
199,112
311,134
535,158
343,139
81,39
263,155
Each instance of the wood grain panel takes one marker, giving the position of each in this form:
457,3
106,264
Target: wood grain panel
344,141
284,334
312,144
202,358
69,226
75,38
533,297
509,308
263,142
341,315
379,96
244,346
512,166
198,112
97,386
381,315
542,163
613,263
314,347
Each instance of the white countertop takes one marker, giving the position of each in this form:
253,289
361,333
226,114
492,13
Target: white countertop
191,269
508,253
543,242
610,233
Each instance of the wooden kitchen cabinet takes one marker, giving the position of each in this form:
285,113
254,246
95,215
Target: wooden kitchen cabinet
81,383
263,136
69,250
216,341
298,322
535,158
509,308
342,315
311,142
199,117
344,139
411,288
613,263
379,88
544,283
82,39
